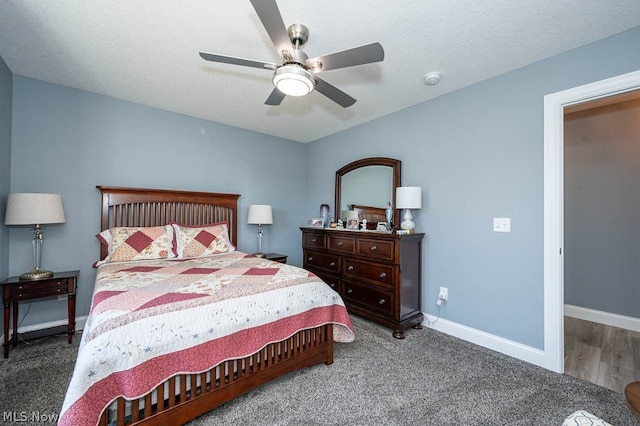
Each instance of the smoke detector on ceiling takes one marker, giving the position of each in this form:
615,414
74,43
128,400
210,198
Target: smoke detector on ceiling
432,78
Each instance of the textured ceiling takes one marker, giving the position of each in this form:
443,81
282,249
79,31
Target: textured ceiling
147,51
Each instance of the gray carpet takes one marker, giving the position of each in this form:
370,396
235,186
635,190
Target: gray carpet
429,378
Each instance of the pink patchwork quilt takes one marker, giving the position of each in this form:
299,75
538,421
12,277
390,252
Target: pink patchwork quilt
151,320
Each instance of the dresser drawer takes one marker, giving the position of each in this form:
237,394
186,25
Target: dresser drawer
332,281
39,289
315,259
376,249
377,272
312,240
373,298
341,244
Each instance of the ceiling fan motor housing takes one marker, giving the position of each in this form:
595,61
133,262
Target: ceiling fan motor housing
298,34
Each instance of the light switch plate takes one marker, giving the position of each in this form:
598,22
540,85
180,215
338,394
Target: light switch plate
501,224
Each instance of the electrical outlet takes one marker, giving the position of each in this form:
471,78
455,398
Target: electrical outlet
444,293
501,224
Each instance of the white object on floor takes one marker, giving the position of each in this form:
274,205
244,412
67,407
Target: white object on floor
584,418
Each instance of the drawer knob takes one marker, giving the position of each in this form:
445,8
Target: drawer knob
314,240
382,301
340,243
332,264
310,259
374,248
349,291
350,268
383,275
332,285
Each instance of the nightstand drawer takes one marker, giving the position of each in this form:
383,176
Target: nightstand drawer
32,290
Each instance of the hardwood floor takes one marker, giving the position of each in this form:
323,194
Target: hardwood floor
601,354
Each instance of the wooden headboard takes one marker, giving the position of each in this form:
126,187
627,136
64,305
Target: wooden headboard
156,207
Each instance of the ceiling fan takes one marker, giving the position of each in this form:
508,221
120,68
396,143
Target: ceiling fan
297,75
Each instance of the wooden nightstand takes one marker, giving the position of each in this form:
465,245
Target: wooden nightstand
15,290
276,257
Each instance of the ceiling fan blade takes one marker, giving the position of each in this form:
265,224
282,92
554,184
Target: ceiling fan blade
237,61
271,18
348,58
333,93
275,98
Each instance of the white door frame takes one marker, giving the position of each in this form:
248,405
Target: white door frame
554,204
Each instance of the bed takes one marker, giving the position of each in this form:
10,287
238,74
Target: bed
172,334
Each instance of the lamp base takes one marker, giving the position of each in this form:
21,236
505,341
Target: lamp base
407,223
36,274
259,254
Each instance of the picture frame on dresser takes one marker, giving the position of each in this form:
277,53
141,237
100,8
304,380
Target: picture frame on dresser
316,222
381,227
352,224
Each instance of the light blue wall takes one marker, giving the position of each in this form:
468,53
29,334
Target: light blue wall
478,154
6,79
68,141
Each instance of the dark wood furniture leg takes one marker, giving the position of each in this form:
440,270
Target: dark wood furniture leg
15,324
71,308
7,308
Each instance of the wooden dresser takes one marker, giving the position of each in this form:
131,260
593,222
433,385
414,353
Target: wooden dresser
377,274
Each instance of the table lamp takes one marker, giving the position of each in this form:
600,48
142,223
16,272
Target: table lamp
408,197
34,209
259,214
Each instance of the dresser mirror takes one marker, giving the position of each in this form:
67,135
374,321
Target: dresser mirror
366,186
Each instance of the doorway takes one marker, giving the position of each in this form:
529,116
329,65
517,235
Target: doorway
554,108
601,175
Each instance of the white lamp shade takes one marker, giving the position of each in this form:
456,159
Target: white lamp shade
260,214
409,197
34,209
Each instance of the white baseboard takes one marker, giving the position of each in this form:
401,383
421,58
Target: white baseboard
601,317
489,341
35,327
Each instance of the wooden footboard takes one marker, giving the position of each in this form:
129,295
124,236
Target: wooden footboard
188,396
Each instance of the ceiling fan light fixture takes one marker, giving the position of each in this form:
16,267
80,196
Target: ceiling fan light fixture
293,80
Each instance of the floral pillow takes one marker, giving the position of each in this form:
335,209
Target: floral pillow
137,243
203,240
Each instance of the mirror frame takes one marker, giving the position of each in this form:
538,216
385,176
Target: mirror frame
372,161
